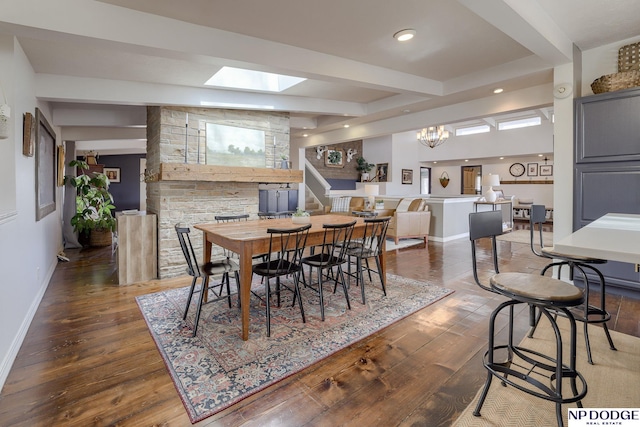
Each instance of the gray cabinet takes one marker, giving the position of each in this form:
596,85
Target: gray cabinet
607,168
277,200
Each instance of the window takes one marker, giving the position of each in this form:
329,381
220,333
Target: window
472,130
519,123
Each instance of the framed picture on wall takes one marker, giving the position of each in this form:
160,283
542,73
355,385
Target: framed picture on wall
46,166
546,170
113,174
407,176
334,158
382,169
532,169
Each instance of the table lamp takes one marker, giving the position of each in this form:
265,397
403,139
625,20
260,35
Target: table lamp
491,181
371,190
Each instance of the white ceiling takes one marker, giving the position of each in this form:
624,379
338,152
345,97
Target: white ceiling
90,55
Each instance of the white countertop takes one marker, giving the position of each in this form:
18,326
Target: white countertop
614,237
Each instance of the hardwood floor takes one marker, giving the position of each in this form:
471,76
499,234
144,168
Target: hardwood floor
88,358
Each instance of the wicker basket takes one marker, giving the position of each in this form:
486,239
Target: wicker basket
629,57
616,81
628,74
100,238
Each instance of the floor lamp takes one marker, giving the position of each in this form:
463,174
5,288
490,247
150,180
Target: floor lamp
491,181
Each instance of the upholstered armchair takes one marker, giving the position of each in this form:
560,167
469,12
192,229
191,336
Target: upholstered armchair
410,220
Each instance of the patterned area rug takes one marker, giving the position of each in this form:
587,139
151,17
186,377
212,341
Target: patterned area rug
612,382
216,369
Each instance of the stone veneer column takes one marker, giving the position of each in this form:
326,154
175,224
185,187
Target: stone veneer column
199,202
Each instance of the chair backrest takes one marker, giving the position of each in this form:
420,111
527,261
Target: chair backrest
336,240
484,225
375,231
187,250
231,218
286,247
537,217
266,215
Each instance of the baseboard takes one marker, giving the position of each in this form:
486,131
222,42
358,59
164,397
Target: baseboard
10,357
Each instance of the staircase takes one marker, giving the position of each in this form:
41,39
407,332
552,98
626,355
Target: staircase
311,204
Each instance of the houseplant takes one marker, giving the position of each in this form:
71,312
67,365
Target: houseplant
364,168
94,205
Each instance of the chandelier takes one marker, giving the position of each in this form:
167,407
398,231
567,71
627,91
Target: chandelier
433,136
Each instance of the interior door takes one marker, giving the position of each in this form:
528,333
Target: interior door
471,176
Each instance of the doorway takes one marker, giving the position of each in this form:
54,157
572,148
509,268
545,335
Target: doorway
425,180
471,179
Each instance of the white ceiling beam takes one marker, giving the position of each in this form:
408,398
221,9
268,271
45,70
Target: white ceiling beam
94,133
56,88
529,98
497,75
117,27
98,115
526,22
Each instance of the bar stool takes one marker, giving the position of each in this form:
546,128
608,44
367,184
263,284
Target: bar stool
586,313
525,368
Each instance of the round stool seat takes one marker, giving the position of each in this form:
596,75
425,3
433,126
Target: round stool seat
535,289
550,252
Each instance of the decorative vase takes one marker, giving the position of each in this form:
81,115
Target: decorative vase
364,177
284,164
301,219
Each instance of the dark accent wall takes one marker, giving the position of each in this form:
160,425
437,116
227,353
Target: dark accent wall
126,193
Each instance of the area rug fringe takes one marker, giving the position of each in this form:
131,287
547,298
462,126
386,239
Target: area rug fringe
216,369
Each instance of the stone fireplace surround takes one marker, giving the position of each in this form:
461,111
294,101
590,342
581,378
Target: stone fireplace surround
195,201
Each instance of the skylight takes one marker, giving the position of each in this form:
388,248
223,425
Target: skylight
520,123
472,130
237,78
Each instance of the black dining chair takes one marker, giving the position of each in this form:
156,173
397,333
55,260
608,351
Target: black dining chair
327,259
203,272
368,247
522,368
588,312
283,259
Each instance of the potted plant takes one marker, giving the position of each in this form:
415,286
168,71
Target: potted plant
300,217
94,205
364,168
284,162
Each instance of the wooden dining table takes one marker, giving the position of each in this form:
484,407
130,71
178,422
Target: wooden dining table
250,238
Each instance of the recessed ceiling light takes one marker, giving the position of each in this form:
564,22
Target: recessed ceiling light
346,126
498,90
305,135
406,111
404,35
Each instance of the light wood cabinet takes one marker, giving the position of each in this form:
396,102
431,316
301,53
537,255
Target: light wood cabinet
137,254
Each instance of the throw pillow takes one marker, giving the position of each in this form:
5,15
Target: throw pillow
340,204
